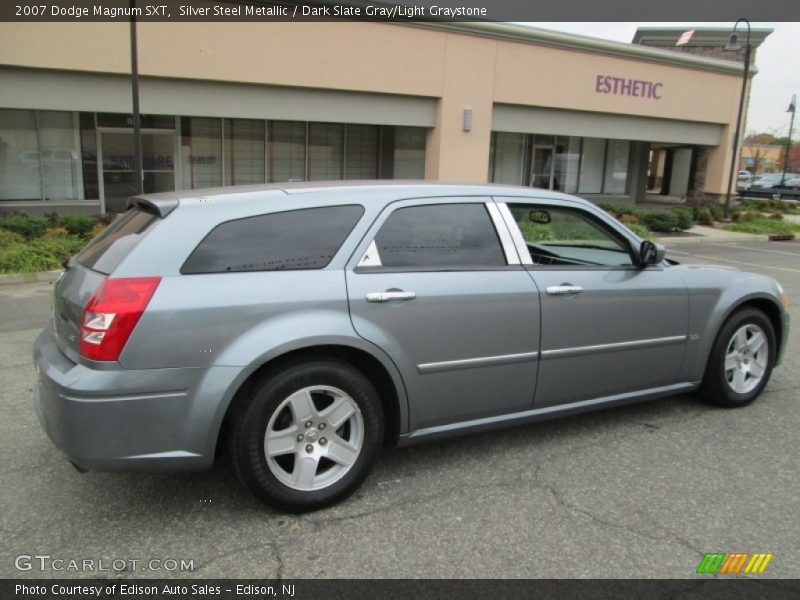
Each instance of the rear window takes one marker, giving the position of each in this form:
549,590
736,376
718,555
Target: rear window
298,239
106,251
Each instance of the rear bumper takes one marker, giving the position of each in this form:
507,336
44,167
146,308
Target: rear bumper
125,420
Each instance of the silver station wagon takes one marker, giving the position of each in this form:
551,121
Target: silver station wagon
302,327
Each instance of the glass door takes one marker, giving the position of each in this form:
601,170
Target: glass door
158,165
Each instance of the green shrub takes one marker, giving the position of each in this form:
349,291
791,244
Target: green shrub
777,215
9,237
39,255
641,231
717,212
750,215
704,217
27,226
619,209
78,224
685,217
660,220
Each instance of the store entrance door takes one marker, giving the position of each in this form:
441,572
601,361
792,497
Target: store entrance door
116,156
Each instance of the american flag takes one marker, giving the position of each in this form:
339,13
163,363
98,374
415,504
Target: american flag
685,37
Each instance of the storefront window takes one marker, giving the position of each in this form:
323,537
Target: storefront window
20,173
201,152
60,154
567,164
592,162
286,153
325,151
244,151
409,153
39,155
361,151
616,179
509,159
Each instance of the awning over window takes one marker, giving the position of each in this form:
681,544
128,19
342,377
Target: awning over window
526,119
96,92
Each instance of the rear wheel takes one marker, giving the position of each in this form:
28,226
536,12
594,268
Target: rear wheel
741,361
308,435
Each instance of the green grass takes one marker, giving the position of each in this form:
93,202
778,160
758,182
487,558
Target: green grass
764,225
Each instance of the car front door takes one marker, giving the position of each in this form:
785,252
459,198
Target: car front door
609,327
438,286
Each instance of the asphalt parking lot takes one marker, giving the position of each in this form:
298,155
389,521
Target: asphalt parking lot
640,491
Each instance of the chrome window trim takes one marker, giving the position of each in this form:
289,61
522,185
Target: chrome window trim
580,350
502,229
516,235
481,361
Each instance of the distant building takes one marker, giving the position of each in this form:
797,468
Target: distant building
761,158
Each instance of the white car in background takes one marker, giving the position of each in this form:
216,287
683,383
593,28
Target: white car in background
743,180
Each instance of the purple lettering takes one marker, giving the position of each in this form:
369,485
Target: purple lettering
598,84
656,89
608,84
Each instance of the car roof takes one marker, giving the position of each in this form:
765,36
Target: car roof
330,192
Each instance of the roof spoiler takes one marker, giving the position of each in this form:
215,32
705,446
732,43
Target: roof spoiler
160,207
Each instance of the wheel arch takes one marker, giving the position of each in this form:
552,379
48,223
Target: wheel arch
762,302
380,371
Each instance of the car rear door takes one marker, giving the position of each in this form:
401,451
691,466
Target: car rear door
608,326
438,286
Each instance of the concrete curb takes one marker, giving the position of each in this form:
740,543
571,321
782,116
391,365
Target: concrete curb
714,239
45,277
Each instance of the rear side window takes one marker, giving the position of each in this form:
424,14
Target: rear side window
440,235
106,251
292,240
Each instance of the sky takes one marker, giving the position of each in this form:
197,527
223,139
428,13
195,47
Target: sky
777,61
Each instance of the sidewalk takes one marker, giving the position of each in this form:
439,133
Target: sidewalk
711,235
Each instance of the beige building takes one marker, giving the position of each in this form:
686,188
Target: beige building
235,103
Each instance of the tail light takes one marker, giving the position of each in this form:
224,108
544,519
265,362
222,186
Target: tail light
111,314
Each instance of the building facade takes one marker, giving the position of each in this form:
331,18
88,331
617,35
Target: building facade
237,103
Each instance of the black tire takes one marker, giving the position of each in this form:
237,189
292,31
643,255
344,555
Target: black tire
715,387
249,427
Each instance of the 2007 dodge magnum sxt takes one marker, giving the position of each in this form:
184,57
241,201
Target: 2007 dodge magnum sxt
307,325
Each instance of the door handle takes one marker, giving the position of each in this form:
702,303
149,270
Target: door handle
561,290
389,296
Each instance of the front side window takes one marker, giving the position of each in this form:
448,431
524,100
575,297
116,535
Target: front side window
568,237
292,240
438,236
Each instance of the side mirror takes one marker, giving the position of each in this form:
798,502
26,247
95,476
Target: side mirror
651,253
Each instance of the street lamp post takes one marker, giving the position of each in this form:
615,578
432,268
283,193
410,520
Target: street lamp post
734,46
791,109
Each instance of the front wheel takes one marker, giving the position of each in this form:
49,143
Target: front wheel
741,360
308,435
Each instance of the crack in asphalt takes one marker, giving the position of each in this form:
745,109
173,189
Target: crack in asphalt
273,546
561,501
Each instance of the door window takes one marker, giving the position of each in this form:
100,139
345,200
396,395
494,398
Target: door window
561,236
438,236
